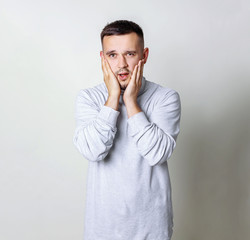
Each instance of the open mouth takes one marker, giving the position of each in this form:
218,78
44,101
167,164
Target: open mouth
123,76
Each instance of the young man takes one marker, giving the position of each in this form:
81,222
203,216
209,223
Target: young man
127,129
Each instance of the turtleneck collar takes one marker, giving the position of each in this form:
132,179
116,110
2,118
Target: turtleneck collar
141,89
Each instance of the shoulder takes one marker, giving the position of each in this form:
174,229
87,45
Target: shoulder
99,89
160,93
96,94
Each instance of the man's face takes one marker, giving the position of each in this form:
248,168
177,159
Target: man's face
123,52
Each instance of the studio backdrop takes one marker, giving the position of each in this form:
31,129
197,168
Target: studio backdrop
50,50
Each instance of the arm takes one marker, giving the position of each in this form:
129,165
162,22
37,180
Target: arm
156,139
96,128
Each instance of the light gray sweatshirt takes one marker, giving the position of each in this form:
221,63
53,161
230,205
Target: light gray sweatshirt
128,185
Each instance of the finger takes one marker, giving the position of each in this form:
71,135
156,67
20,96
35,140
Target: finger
104,69
138,75
108,68
142,67
141,70
106,65
134,74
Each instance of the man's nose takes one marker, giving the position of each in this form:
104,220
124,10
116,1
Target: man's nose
122,63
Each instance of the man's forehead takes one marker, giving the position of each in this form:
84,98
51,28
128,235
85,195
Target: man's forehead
130,40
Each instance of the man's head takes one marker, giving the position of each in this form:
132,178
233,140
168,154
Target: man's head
123,47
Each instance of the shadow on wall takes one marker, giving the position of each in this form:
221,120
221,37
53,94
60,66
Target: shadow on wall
214,172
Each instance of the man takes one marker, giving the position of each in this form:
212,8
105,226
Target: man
127,129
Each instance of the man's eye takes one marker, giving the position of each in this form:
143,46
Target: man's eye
112,55
131,54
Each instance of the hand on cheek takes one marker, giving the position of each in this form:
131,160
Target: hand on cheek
132,90
112,85
110,79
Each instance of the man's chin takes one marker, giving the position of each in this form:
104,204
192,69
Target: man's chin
124,84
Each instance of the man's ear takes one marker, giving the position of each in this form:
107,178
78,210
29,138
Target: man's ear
101,54
145,54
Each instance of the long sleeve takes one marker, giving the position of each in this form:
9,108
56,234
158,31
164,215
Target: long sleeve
95,127
156,139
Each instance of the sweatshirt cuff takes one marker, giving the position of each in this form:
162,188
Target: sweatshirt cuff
108,115
137,123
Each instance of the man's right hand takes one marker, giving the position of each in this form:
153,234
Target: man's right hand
112,84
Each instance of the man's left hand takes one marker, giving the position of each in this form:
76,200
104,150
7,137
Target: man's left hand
132,90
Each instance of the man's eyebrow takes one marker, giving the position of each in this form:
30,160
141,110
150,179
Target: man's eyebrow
132,51
110,52
114,51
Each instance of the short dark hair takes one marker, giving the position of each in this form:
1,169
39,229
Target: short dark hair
121,27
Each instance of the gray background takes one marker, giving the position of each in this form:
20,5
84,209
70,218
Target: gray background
50,50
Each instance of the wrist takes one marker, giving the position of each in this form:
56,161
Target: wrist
130,101
132,108
114,94
113,102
